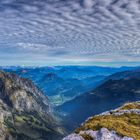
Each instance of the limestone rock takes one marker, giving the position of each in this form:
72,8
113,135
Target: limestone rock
25,113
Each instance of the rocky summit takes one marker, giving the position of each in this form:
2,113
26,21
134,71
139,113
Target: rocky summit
120,124
25,113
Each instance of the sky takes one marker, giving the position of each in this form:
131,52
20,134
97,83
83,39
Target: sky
70,32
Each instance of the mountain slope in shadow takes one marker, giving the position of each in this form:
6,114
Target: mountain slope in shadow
109,95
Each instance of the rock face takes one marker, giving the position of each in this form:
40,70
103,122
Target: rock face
25,112
74,137
102,134
120,124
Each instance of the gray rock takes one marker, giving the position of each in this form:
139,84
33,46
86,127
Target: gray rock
74,137
120,112
102,134
25,113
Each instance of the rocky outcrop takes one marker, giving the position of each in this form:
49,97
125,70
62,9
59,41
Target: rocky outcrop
74,137
119,124
102,134
25,113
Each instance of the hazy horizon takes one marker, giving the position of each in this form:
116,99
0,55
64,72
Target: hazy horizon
80,65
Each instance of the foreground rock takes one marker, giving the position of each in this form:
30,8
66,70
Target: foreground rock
25,113
120,124
102,134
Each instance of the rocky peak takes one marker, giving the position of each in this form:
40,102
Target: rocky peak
22,94
25,113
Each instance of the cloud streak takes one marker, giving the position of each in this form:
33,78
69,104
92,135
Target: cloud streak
52,29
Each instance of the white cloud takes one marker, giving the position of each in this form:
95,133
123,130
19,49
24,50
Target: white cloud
72,28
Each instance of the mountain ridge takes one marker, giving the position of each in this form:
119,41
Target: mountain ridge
25,111
64,83
109,95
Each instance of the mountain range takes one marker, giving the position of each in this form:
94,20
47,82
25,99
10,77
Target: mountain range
115,90
64,83
61,99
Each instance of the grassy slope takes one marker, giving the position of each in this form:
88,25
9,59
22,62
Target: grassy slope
124,125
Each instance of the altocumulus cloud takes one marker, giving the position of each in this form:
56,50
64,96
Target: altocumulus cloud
69,31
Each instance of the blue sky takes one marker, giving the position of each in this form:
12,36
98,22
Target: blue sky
70,32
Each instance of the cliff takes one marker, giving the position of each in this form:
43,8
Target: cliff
25,113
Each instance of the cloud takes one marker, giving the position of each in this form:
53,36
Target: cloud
52,29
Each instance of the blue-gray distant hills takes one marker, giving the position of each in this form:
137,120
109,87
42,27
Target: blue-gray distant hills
64,83
115,90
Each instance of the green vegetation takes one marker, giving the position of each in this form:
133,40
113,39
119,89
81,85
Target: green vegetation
87,137
26,125
124,125
128,106
19,118
30,120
